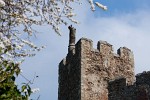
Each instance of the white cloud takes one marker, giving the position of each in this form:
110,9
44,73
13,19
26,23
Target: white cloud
130,30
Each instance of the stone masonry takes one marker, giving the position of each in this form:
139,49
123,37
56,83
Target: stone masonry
100,74
140,90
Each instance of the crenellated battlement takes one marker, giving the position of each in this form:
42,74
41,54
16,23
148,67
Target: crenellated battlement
124,51
143,74
104,48
143,78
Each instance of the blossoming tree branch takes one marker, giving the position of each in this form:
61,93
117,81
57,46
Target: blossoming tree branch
23,14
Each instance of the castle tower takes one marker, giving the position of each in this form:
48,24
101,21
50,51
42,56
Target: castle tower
84,74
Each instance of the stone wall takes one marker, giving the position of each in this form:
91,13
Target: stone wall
100,65
69,78
140,90
84,74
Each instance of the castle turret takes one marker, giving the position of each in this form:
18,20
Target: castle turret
85,73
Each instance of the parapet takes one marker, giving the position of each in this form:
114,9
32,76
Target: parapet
125,52
143,78
84,44
103,47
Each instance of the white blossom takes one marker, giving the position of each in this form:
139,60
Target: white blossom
35,90
92,5
101,6
2,45
2,3
21,71
1,34
25,90
71,14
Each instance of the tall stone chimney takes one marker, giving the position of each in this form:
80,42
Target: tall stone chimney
71,47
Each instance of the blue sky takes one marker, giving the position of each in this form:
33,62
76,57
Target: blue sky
126,23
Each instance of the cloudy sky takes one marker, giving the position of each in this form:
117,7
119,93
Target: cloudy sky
126,23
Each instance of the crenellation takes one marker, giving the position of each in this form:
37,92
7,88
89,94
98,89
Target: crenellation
87,44
104,48
143,73
125,53
143,78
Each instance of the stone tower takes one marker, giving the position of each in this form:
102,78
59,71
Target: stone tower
85,72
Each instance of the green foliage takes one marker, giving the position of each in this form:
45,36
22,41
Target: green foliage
8,89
